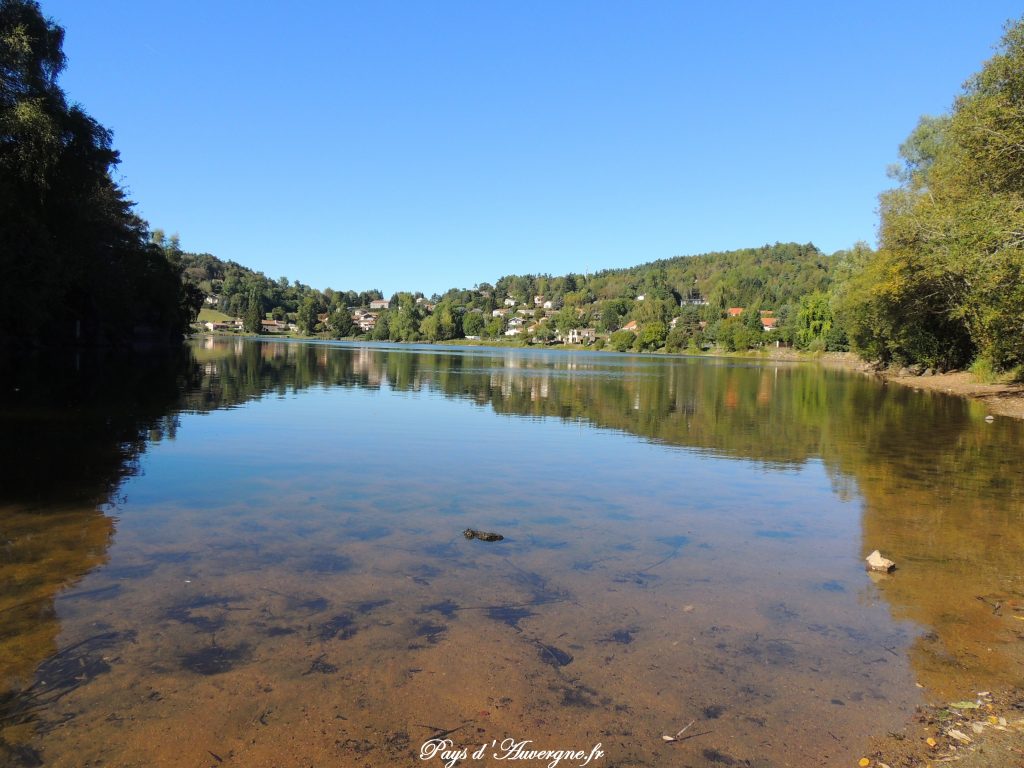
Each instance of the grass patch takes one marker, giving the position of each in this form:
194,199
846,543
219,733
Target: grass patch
986,373
212,316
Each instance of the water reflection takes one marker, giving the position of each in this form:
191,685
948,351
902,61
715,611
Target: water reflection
73,427
313,537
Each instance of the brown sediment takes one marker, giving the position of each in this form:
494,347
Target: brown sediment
240,633
1002,399
984,731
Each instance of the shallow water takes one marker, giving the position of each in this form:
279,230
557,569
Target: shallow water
254,556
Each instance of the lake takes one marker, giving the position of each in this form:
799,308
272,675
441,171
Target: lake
252,554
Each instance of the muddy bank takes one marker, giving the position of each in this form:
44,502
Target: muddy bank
984,731
1003,399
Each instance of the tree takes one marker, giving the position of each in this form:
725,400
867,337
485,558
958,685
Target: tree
253,319
677,339
430,328
473,324
651,336
306,317
495,327
947,283
85,269
405,319
620,341
544,334
341,324
382,328
566,319
449,324
813,319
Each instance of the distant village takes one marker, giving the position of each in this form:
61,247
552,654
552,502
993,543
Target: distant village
531,321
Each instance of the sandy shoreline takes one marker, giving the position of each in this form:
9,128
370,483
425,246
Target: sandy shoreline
1002,399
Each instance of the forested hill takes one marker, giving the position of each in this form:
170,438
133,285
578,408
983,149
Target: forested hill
234,288
769,276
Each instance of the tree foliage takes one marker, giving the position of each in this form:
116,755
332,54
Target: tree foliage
947,283
76,264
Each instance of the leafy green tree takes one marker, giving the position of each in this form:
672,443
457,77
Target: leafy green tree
85,269
253,319
405,318
620,341
566,319
449,323
652,310
611,320
677,339
382,328
813,319
947,283
341,323
306,317
494,328
651,336
429,328
544,334
473,324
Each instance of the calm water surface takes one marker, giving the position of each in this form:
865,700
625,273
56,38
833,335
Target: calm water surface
253,556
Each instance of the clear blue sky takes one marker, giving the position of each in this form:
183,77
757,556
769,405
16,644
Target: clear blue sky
407,145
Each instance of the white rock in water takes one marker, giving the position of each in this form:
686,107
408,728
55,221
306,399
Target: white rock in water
875,562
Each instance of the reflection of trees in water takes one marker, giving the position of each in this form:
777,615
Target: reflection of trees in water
71,429
942,491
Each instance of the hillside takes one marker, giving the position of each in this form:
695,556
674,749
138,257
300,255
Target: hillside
769,276
674,303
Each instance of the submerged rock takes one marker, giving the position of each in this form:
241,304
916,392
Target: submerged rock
875,562
471,533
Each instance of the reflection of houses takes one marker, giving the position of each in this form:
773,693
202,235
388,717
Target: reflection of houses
580,336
